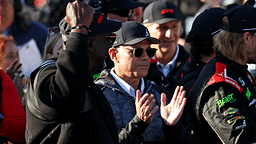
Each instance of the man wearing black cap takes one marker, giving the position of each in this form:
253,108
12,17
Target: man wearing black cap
163,20
224,97
139,120
201,36
63,105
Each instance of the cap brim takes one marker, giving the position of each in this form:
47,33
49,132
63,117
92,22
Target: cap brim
137,40
165,20
106,26
130,5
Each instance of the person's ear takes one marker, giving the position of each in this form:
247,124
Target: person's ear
246,37
112,53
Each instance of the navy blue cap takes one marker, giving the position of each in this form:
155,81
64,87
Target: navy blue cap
207,23
132,33
242,18
99,25
161,12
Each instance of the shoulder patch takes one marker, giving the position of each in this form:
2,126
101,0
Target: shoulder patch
221,76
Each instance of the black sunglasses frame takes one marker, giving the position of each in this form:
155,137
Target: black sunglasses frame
137,52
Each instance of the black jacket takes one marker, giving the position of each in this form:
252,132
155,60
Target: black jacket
64,105
155,75
186,77
224,102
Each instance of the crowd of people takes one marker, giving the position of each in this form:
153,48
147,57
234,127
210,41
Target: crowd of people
120,71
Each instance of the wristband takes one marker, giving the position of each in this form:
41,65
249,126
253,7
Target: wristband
80,26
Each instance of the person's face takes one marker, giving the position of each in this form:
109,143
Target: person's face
130,16
138,14
8,55
251,51
6,14
100,45
129,66
113,16
168,33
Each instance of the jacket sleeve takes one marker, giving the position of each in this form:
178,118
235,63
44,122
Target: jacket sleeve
63,86
229,113
178,133
133,131
14,123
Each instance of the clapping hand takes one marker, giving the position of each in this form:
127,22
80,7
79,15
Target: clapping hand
144,105
172,112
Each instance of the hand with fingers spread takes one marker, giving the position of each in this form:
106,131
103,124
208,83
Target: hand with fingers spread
14,72
14,69
143,106
172,112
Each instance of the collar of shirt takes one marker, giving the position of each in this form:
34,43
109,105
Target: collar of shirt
128,88
165,70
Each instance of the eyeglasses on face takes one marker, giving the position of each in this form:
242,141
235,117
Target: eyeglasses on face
137,52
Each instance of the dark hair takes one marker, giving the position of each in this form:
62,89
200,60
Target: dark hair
199,47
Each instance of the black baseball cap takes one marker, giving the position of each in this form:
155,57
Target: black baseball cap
99,25
132,33
242,18
207,23
123,4
161,12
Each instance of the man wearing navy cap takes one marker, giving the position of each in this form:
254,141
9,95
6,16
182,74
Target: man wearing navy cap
63,105
224,97
163,20
139,120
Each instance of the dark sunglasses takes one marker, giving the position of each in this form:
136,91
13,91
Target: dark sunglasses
137,52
